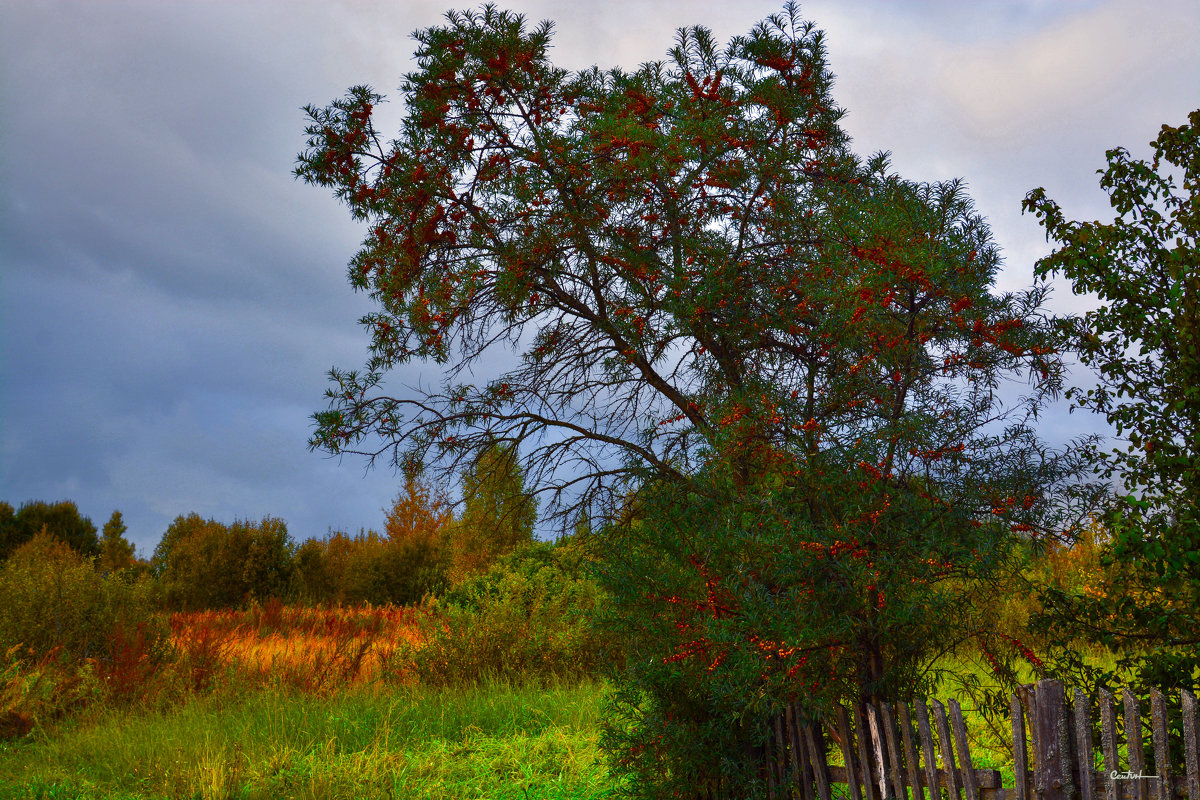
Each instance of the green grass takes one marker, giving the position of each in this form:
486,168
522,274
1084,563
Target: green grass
495,742
490,741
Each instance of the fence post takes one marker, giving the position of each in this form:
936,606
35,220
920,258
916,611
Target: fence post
953,785
815,741
1108,742
1020,785
878,750
926,734
853,767
866,763
895,765
1052,743
1190,746
1133,740
1083,746
1158,734
910,753
964,751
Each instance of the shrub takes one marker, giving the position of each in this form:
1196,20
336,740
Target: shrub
68,633
498,514
116,552
51,598
401,572
33,694
529,617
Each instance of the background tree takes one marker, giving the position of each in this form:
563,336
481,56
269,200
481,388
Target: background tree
369,568
418,513
321,567
312,582
206,564
267,569
380,571
788,358
198,566
61,520
6,518
498,515
417,527
1143,342
116,552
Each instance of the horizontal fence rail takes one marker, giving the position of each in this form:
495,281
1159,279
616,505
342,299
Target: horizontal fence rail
899,751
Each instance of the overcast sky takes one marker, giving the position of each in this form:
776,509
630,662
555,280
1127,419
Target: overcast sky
171,299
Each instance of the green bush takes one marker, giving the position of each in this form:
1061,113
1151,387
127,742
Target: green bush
51,598
529,617
399,572
56,602
68,633
32,695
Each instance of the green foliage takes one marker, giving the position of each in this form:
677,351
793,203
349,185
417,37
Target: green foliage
34,695
788,356
58,607
116,552
529,617
61,520
51,597
267,568
410,560
205,564
1144,344
419,553
400,572
311,579
418,512
734,608
498,516
326,568
369,568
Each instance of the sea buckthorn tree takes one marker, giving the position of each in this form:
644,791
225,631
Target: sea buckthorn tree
770,371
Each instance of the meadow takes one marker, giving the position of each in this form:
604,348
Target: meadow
490,691
285,701
291,702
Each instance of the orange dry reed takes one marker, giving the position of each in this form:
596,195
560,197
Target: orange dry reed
308,648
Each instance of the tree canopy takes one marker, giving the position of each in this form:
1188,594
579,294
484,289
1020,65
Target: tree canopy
116,552
61,520
1143,342
206,564
774,369
688,261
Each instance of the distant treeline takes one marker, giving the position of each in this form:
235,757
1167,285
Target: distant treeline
205,564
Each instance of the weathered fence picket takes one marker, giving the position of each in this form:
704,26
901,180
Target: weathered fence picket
1108,739
1083,745
921,751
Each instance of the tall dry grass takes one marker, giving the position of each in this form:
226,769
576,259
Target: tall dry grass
309,649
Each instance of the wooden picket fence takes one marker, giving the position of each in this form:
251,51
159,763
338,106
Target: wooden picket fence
890,753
